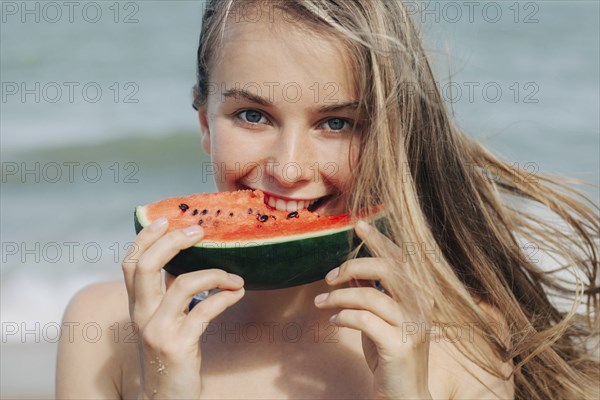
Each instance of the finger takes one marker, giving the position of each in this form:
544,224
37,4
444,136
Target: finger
380,332
199,318
359,271
177,298
143,240
373,238
368,299
148,278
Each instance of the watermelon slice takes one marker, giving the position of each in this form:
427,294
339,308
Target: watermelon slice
270,249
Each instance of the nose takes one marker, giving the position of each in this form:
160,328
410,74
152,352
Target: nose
292,158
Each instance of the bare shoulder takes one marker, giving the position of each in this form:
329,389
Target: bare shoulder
100,299
90,357
464,378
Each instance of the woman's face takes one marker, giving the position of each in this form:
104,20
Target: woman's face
279,115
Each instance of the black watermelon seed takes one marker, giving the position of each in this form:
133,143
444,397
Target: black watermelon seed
183,207
249,211
263,218
218,212
204,211
200,222
195,212
293,214
231,214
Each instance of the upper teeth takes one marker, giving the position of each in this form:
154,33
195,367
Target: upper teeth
291,205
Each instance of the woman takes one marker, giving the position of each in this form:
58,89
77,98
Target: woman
464,314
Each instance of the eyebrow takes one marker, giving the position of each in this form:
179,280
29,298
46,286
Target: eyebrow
237,93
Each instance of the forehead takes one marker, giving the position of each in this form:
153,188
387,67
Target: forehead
284,56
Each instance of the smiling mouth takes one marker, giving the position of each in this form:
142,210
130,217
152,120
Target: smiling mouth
278,203
295,205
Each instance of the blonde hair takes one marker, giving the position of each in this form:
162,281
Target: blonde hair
432,179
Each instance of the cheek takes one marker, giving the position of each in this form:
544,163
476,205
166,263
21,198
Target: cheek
336,165
232,155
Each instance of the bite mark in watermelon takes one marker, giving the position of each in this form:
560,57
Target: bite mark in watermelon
270,249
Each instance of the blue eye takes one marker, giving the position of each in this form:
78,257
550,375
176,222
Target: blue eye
336,124
251,116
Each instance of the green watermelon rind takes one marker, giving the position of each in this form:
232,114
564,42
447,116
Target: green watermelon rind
269,264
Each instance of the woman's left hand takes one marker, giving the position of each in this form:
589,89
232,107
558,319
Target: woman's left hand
395,333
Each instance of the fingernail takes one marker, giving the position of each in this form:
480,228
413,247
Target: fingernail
236,278
362,225
333,318
157,224
193,230
331,275
321,298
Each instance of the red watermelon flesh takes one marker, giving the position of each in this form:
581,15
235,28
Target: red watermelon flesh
240,216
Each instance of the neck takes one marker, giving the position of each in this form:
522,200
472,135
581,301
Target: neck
290,305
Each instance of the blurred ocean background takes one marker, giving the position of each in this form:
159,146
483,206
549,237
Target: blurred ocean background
96,119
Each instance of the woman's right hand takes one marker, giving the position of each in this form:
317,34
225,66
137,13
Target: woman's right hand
169,345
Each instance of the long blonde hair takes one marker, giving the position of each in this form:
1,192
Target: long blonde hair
462,228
